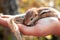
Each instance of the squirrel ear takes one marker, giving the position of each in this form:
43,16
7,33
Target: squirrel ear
29,13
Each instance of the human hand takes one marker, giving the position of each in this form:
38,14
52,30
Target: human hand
43,27
3,20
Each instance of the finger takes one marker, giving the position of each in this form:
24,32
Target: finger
5,16
3,22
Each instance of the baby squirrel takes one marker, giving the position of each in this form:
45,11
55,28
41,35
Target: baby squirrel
34,14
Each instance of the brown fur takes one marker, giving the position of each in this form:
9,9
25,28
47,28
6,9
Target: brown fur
32,15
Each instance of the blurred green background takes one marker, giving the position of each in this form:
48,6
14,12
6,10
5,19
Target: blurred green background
26,4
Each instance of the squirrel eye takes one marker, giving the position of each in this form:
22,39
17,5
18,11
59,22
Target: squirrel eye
31,19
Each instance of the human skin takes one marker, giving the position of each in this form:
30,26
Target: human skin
45,26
